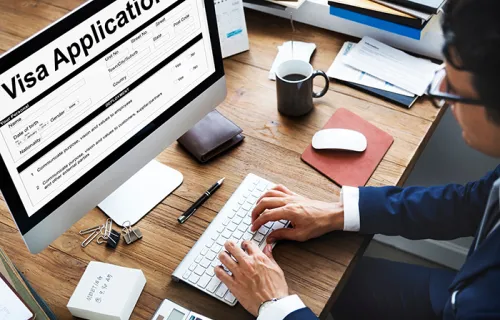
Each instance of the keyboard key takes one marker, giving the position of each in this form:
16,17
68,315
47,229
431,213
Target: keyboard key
204,281
284,221
186,274
269,224
246,206
220,228
226,222
246,194
263,230
247,236
252,200
199,270
241,201
262,186
209,243
216,248
232,226
205,263
198,259
221,240
231,214
247,220
258,237
194,278
215,263
242,227
221,292
238,234
278,225
210,271
214,236
256,194
229,297
204,251
237,220
213,284
241,213
226,234
192,267
210,255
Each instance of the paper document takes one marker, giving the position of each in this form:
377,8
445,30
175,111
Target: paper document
339,70
11,307
391,65
232,27
299,51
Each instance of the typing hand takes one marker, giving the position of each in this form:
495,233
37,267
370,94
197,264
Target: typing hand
309,218
256,277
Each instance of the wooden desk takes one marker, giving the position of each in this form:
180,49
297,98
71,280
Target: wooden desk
271,149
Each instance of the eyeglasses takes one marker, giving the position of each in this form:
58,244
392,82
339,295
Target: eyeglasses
440,95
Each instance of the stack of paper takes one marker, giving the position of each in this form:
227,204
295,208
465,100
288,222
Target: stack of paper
29,298
372,64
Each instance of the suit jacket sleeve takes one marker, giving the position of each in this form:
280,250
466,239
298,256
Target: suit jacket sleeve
441,213
302,314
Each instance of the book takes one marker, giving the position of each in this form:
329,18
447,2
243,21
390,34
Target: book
12,307
429,6
379,11
402,30
24,290
412,12
400,99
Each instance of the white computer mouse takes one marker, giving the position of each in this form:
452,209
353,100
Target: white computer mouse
339,139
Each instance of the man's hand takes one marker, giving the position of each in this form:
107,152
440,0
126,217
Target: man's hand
256,277
309,218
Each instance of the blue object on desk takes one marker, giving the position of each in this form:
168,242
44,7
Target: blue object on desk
376,23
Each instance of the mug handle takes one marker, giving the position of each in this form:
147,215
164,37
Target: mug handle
327,83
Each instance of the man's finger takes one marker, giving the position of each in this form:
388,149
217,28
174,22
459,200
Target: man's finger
272,194
250,247
266,204
229,262
235,251
282,234
284,189
271,215
268,251
224,277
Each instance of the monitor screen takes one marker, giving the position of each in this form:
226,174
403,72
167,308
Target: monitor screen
79,95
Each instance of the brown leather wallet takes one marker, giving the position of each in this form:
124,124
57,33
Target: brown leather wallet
211,136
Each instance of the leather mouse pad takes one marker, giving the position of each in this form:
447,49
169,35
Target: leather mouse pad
348,167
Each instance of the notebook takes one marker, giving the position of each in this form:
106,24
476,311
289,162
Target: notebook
347,167
428,6
12,307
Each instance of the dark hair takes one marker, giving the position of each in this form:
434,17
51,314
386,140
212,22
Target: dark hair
472,30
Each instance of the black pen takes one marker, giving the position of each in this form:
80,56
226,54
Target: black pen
189,212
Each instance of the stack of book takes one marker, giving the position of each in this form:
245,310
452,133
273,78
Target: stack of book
16,290
409,18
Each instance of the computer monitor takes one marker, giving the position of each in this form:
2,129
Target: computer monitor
91,99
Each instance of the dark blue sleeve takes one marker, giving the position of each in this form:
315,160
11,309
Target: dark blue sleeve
441,213
302,314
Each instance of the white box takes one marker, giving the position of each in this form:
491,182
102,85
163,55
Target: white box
107,292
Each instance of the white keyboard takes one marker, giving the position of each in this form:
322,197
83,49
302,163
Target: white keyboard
231,223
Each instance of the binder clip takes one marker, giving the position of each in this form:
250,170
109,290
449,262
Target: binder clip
131,234
108,235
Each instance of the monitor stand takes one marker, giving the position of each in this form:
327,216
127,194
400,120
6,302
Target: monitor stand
141,193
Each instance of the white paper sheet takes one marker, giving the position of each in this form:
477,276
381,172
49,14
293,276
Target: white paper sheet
11,308
391,65
340,70
233,33
301,51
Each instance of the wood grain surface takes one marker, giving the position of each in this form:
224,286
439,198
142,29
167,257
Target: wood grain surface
316,269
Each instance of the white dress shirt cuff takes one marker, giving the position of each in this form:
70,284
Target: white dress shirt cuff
350,198
282,308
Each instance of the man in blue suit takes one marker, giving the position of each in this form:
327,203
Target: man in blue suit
380,289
